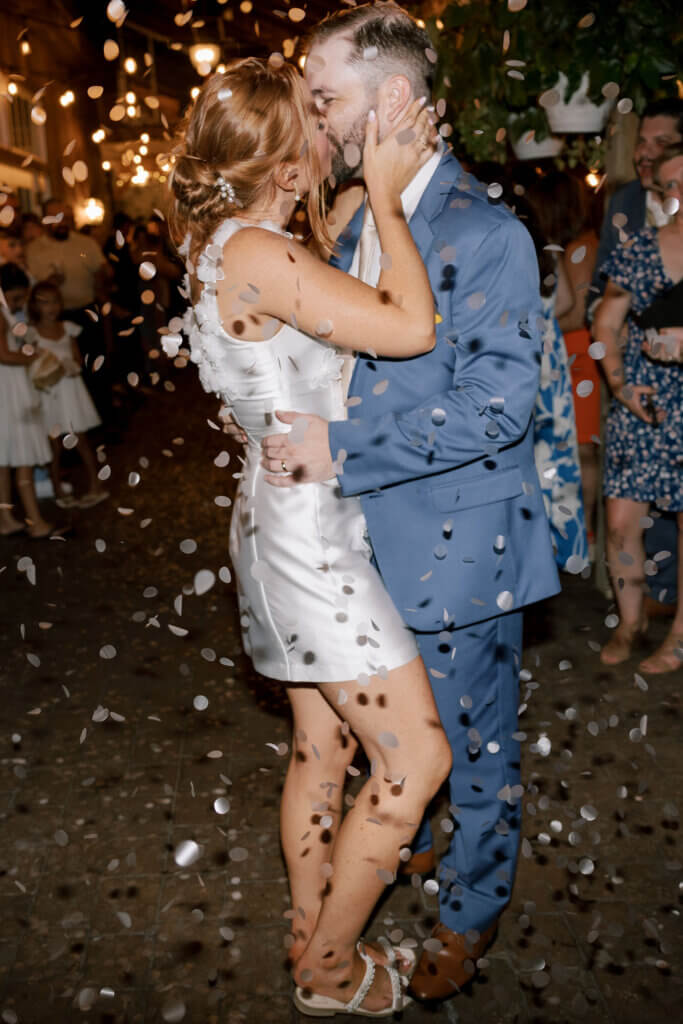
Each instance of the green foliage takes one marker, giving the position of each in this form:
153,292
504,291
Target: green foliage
635,43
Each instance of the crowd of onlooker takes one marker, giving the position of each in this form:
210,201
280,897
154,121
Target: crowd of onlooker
79,317
608,424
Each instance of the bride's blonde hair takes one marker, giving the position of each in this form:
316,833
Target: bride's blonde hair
242,126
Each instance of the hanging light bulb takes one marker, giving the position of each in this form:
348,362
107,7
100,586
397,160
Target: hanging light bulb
67,98
144,138
131,98
106,165
25,47
99,135
13,88
130,65
204,57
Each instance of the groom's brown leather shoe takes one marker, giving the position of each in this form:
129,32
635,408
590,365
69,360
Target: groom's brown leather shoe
419,863
441,974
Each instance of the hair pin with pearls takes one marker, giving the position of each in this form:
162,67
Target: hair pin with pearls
227,190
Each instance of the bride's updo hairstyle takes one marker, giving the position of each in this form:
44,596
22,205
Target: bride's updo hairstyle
242,126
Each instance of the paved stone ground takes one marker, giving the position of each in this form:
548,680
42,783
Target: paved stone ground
107,764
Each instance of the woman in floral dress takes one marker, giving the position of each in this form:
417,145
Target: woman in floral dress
644,435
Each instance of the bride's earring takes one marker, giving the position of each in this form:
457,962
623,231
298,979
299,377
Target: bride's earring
297,197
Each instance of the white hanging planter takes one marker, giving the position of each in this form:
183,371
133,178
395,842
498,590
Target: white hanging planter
578,114
527,148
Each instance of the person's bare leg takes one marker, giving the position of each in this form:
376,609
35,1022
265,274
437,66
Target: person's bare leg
55,465
669,656
590,471
625,559
8,522
311,809
398,725
38,527
88,456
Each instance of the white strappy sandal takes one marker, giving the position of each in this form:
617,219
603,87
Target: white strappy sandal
314,1005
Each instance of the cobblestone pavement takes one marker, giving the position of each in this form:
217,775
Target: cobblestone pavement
129,710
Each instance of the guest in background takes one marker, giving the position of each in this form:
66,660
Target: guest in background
11,248
632,207
76,264
31,228
567,219
23,437
67,406
644,436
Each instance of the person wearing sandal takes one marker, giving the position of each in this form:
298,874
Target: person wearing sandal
644,438
266,314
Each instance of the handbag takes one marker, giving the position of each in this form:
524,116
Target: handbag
665,310
45,370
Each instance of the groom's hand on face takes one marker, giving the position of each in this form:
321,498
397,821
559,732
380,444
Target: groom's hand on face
302,456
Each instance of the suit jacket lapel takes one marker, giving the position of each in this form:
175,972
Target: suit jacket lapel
348,240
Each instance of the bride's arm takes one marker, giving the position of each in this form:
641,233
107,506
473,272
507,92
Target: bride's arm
267,274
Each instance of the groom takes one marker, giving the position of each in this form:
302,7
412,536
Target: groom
440,452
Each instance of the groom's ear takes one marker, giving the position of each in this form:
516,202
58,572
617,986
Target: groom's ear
286,176
393,96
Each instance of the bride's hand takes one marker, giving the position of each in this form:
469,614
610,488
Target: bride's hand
390,165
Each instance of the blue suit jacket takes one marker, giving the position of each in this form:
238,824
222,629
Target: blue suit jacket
440,447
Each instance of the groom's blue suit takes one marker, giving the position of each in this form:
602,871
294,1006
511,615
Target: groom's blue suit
440,451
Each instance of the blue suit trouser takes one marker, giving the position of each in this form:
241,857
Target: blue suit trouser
476,687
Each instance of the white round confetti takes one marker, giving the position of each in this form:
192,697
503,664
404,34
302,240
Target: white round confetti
438,417
579,254
671,206
61,838
597,350
188,546
173,1011
104,473
370,52
147,270
200,702
431,887
226,933
38,115
222,460
238,853
352,154
108,651
476,300
505,600
116,10
87,998
100,545
575,564
612,621
125,919
203,581
224,94
222,501
224,574
221,805
70,441
187,853
584,388
495,190
133,479
625,106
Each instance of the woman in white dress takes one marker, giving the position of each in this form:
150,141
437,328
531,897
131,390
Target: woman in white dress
67,405
23,437
266,314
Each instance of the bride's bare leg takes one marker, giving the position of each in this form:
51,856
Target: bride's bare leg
322,749
398,725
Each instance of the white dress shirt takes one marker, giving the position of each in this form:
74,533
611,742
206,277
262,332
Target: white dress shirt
365,264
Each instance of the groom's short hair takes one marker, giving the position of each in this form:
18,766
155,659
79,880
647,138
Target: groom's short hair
385,40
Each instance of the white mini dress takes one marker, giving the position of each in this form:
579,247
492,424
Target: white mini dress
312,605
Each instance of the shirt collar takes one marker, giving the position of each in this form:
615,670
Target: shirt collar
415,189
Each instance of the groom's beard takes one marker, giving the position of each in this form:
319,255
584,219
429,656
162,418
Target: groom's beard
355,136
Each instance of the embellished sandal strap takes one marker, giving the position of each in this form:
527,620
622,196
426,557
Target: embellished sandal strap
364,987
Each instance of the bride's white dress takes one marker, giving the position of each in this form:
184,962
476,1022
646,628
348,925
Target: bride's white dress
312,605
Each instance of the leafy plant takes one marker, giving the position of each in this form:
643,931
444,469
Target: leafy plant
496,62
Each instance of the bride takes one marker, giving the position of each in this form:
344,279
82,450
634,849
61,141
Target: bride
266,321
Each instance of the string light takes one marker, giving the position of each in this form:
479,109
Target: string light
144,138
67,98
99,135
13,88
25,47
106,165
143,150
131,110
194,92
131,98
130,65
592,179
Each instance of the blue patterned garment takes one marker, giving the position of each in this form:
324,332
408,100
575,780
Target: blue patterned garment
642,462
556,449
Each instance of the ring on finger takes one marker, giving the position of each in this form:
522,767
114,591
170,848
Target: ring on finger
284,466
